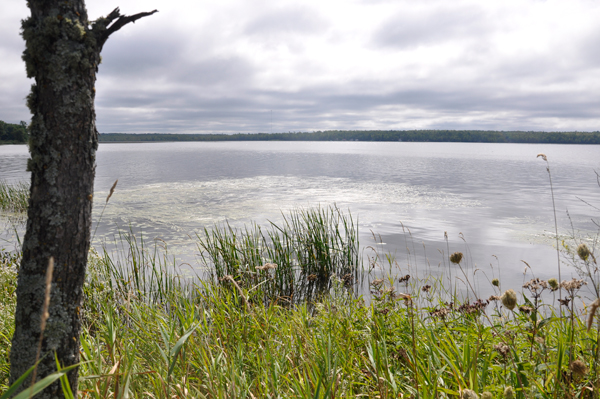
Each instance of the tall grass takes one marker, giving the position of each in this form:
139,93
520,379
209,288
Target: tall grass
279,317
290,262
14,197
149,332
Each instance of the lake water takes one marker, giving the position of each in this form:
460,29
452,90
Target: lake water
493,200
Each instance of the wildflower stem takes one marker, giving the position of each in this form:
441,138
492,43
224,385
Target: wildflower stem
555,224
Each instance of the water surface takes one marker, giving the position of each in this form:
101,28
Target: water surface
493,200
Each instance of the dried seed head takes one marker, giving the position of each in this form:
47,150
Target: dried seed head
553,283
508,393
543,157
583,251
509,299
45,313
486,395
456,257
377,282
469,394
573,284
267,266
540,340
112,190
593,307
578,368
525,309
441,313
502,349
496,282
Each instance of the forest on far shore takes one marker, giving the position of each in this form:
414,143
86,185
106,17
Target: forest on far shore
468,136
17,134
12,133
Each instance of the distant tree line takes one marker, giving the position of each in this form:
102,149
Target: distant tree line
11,133
464,136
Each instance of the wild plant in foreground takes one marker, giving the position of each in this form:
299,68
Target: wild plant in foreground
199,339
545,158
151,333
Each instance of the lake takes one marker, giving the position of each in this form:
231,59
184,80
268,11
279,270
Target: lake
493,200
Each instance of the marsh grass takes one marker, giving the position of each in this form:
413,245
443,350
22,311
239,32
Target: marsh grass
287,263
14,197
151,332
300,329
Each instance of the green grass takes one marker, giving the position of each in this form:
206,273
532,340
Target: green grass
149,332
310,247
14,197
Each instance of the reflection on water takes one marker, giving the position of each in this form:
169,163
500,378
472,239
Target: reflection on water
493,200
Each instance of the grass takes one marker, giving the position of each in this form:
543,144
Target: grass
14,197
288,263
149,332
279,316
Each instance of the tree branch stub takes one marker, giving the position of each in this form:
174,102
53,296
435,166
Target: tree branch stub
115,21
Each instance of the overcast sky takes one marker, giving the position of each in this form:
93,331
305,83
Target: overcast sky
228,65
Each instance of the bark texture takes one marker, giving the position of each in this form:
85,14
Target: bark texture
62,55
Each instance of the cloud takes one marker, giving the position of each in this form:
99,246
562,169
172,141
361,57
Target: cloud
427,26
287,20
224,66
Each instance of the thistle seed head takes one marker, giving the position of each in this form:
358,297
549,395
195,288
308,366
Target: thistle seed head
553,283
509,393
469,394
486,395
509,299
583,251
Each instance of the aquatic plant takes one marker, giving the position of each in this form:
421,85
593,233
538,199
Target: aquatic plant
14,197
289,262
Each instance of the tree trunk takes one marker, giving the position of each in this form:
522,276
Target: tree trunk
62,54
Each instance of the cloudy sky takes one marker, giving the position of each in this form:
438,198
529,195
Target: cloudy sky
235,65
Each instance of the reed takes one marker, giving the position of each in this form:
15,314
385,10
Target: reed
14,197
148,331
290,262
